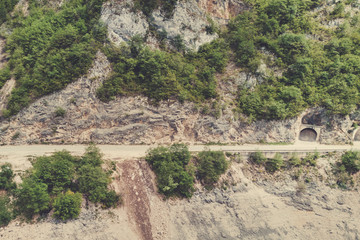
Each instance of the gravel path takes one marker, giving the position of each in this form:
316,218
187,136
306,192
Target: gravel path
18,155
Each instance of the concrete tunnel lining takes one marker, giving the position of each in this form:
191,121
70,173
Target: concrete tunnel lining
308,135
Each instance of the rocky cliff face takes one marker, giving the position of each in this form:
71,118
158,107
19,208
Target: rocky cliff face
188,21
129,120
222,10
132,120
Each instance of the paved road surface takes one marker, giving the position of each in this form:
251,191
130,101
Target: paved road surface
18,155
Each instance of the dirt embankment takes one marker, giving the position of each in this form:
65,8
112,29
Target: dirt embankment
247,204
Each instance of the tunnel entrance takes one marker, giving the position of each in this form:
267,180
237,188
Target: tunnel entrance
308,135
357,136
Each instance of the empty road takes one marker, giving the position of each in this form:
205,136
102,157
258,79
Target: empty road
18,155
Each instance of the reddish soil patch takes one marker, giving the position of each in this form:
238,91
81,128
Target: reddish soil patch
135,182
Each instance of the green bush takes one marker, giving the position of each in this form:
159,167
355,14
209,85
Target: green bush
6,7
57,181
162,75
93,182
92,156
60,112
111,199
32,198
169,164
6,178
351,161
210,165
5,213
56,171
317,73
294,160
257,157
67,205
310,159
274,164
4,75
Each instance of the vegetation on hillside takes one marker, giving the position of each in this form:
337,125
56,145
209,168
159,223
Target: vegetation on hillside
6,7
162,75
320,67
49,49
58,182
148,6
176,171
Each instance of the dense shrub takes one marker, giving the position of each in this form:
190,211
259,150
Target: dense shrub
310,159
48,50
4,75
6,7
316,72
169,164
148,6
32,198
162,75
111,199
6,178
5,213
56,171
92,156
274,164
257,157
67,205
211,164
351,161
58,180
93,182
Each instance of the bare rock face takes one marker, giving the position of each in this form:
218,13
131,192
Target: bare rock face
122,22
188,21
5,92
129,120
133,120
222,10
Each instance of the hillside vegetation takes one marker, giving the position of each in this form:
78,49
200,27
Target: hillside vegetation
319,63
57,182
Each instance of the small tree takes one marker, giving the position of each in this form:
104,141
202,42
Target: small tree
257,157
93,183
67,206
169,164
6,177
274,164
5,213
32,198
92,156
351,161
211,165
60,112
56,171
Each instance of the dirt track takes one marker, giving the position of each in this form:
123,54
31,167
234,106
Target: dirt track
17,155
